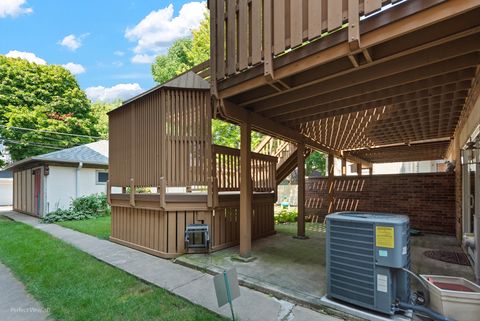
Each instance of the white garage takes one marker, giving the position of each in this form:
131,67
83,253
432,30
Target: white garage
6,188
44,183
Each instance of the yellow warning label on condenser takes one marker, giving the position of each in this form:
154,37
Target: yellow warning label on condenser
385,237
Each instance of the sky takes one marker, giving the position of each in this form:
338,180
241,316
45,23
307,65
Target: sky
108,44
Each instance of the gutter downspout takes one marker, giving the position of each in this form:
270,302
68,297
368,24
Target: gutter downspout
77,180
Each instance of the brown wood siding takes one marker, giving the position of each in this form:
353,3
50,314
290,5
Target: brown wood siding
23,198
162,134
161,232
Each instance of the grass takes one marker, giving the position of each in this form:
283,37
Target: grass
75,286
291,228
99,227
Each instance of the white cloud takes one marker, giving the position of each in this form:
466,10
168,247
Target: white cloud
72,42
74,68
13,8
119,53
27,56
160,28
143,59
120,91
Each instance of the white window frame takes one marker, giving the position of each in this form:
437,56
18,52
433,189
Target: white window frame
97,172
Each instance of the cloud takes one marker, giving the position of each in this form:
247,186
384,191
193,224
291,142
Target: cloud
117,64
156,32
108,94
13,8
72,42
74,68
27,56
143,59
119,53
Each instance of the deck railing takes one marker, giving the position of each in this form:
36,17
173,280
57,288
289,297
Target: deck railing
247,32
227,170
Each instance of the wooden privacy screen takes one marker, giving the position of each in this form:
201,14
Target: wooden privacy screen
227,170
247,31
166,133
188,138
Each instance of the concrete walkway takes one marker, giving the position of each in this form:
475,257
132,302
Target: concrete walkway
15,303
190,284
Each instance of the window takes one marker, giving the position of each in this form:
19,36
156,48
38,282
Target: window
102,177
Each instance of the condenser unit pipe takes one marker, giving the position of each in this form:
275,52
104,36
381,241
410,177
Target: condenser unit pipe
424,310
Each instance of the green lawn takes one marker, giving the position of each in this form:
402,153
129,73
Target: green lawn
99,227
291,228
75,286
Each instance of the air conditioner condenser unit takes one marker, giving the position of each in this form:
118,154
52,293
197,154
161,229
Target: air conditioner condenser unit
365,256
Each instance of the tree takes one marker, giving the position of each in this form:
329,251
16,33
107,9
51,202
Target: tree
35,99
316,161
99,111
174,62
200,51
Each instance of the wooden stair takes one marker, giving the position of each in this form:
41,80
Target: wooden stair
286,153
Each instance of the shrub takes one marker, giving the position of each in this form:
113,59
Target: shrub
94,205
82,208
285,217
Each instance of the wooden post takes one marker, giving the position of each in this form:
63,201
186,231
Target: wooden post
301,191
109,193
132,192
344,166
245,191
370,170
330,182
359,169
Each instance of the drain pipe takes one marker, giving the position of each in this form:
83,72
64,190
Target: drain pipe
424,310
77,179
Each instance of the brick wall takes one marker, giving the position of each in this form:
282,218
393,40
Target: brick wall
428,199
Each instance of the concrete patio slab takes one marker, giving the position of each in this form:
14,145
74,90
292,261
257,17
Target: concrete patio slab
15,303
193,285
294,269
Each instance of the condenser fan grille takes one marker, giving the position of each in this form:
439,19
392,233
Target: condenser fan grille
352,261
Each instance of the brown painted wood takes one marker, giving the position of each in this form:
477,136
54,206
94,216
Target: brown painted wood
245,191
301,190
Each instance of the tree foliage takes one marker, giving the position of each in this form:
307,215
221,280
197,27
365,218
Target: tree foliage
99,111
176,61
41,97
316,161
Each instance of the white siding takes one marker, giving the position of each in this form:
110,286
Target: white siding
6,191
62,185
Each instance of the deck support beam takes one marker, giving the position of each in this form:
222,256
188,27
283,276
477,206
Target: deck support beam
238,114
301,191
344,166
245,190
330,182
359,169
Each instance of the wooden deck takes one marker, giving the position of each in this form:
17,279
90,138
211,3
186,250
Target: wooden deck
162,140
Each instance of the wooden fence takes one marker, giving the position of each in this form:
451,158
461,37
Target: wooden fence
247,32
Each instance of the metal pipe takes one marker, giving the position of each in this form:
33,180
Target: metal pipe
423,283
77,179
424,310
